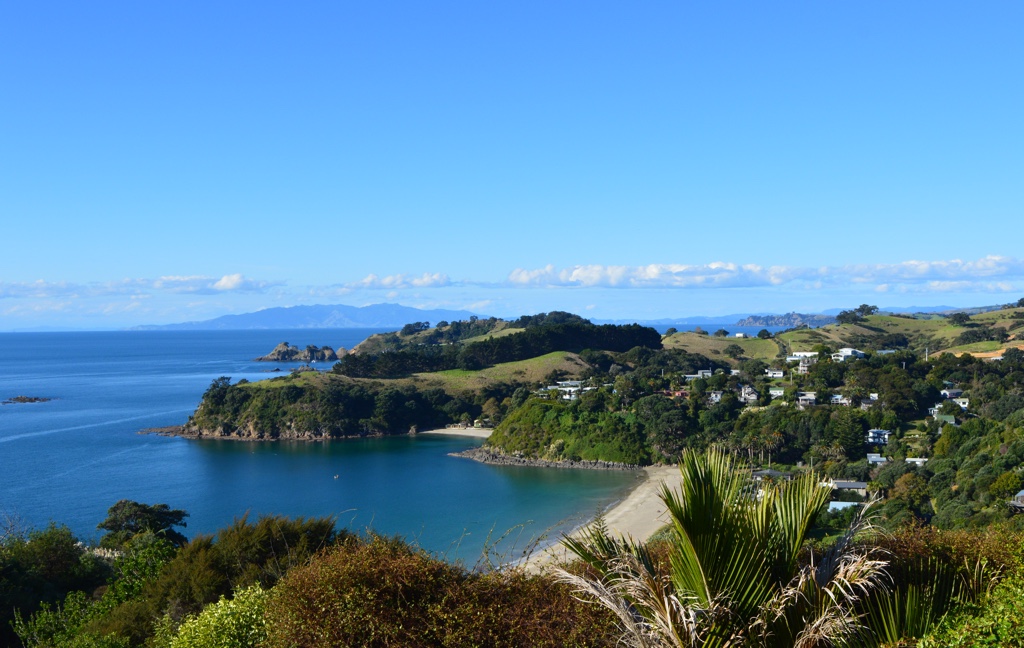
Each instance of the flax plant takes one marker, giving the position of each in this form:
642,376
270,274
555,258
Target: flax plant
733,576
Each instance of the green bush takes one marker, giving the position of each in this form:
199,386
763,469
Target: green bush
385,593
238,622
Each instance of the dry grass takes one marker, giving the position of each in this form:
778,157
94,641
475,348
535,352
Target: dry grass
529,371
714,347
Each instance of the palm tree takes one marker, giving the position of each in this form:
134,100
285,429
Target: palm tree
733,578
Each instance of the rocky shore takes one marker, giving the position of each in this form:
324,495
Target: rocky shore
285,352
495,457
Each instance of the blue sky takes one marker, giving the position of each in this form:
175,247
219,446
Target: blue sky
164,162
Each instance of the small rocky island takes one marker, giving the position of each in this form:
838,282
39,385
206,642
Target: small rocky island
285,352
25,399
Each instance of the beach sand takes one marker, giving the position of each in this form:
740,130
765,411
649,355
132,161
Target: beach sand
476,433
639,516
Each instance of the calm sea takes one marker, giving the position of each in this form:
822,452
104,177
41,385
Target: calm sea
69,459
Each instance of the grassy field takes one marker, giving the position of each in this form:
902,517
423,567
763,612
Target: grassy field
533,370
714,347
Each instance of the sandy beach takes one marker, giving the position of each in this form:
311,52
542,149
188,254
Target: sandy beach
476,433
639,516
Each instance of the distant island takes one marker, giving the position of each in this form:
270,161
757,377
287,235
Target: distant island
285,352
789,320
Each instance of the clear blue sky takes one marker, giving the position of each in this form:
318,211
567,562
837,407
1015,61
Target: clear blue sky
172,161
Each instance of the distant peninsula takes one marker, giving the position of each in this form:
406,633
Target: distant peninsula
789,320
285,352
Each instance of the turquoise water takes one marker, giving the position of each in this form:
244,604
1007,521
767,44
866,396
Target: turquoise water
69,459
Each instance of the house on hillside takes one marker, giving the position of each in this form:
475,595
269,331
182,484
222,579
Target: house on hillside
774,373
806,399
878,437
876,459
1018,501
839,399
776,392
846,353
715,396
951,393
917,461
748,394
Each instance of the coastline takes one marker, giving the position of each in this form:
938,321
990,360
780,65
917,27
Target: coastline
638,516
495,457
474,433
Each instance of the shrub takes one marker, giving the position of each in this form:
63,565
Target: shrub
382,592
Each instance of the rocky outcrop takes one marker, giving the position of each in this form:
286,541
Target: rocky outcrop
495,457
285,352
25,399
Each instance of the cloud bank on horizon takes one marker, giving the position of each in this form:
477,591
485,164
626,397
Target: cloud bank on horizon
603,291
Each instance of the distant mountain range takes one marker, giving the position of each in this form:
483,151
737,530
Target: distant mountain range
384,316
379,316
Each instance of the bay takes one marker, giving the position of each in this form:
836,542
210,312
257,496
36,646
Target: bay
67,460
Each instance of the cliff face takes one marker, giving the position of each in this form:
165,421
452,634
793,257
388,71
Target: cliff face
285,352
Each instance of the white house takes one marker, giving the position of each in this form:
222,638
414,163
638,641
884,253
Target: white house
878,437
876,458
741,335
846,353
806,398
962,402
776,392
715,396
748,394
839,399
917,461
797,356
775,373
951,393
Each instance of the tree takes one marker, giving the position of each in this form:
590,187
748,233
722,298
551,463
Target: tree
764,334
735,578
864,310
848,317
671,331
959,319
733,351
128,518
721,333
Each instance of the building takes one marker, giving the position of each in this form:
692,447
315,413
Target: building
797,356
846,353
748,394
775,373
876,459
805,399
776,392
917,461
951,393
878,437
839,399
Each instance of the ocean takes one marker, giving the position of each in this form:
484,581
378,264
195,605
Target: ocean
69,459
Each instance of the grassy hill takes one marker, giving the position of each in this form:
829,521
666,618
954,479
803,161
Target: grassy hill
715,347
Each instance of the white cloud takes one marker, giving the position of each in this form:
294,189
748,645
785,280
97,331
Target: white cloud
399,281
989,274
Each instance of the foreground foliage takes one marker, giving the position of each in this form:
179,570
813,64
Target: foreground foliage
733,575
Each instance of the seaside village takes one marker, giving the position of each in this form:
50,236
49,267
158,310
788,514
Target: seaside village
798,363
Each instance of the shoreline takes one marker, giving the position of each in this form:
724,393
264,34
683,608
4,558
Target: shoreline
495,457
473,433
639,515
